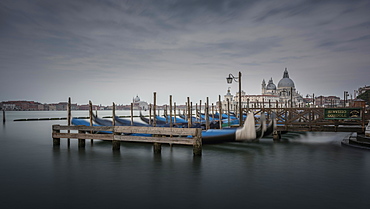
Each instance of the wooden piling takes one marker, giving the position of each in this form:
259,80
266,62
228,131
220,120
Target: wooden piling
56,141
220,111
189,114
114,114
170,111
4,116
228,112
200,110
116,145
197,144
157,147
81,142
132,114
174,111
207,114
196,109
91,119
212,112
154,107
69,120
150,115
276,135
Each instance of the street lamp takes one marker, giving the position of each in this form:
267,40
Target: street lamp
313,98
238,80
345,98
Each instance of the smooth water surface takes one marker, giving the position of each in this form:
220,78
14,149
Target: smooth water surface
304,170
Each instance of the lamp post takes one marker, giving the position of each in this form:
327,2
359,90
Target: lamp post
313,98
345,98
238,80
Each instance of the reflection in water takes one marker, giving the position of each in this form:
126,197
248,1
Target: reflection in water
303,170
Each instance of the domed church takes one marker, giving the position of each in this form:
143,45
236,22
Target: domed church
284,95
138,104
285,90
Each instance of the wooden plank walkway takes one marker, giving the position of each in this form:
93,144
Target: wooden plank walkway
116,134
312,119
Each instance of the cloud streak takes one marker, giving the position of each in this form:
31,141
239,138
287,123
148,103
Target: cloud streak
137,47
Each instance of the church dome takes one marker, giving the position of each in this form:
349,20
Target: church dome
271,85
137,99
286,81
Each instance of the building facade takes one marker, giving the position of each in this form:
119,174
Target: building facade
282,95
138,104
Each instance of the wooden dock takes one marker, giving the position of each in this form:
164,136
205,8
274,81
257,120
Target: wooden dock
314,119
116,134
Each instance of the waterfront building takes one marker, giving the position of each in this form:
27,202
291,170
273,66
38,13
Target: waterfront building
22,105
283,95
138,104
362,90
327,101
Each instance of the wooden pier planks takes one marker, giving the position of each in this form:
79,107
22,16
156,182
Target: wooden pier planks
160,135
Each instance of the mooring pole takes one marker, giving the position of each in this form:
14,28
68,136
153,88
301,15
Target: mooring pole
200,111
116,145
240,101
4,116
206,111
132,114
174,112
114,114
154,108
228,112
220,111
91,120
150,114
189,116
170,111
69,119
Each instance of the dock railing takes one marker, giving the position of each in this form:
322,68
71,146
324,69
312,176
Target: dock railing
313,119
116,134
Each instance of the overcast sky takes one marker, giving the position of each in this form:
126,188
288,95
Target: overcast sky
112,50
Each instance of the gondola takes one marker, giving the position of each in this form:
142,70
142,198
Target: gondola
249,132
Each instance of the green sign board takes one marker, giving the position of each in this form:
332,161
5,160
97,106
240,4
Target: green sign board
345,113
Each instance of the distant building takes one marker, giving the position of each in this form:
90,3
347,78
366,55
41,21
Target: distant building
327,101
22,105
138,104
7,106
284,95
362,90
285,91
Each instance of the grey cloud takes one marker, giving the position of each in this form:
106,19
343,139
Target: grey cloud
243,48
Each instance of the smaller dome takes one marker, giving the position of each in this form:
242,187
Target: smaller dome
271,85
137,99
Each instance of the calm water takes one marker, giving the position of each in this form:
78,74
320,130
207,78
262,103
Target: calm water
305,170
